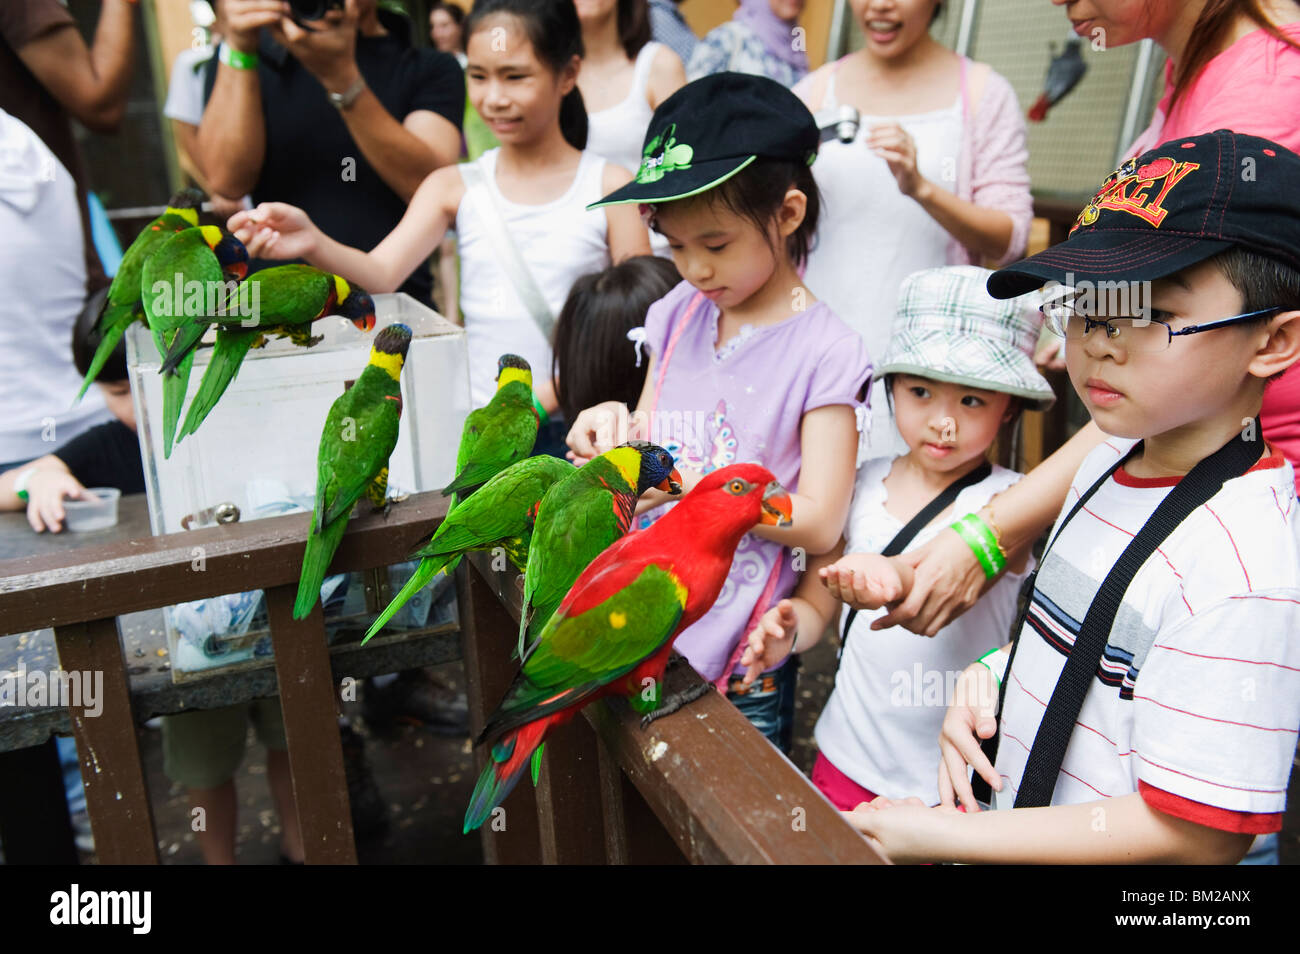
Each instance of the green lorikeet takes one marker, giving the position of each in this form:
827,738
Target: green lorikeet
617,624
359,436
499,514
499,433
125,303
189,276
287,299
581,516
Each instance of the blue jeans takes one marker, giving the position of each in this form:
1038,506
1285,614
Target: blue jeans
1263,851
769,703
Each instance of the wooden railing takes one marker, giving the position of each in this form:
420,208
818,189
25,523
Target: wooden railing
701,785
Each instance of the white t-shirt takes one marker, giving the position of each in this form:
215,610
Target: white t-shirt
43,274
881,724
185,88
560,241
871,236
1196,702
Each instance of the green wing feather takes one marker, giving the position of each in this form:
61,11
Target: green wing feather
577,655
227,356
315,562
576,522
503,432
498,515
113,324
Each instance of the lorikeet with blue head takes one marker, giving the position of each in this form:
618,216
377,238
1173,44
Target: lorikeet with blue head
617,624
500,514
186,278
287,299
358,438
125,303
582,515
499,433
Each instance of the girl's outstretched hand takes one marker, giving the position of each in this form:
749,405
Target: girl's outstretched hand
948,580
970,718
596,430
770,641
905,831
863,580
276,230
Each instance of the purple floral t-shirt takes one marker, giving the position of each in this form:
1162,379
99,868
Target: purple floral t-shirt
745,403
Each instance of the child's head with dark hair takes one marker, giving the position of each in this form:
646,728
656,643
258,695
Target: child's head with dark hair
112,377
593,359
551,28
758,192
632,21
1263,282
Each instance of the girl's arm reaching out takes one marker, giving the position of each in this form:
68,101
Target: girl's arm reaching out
829,441
277,230
625,232
1122,830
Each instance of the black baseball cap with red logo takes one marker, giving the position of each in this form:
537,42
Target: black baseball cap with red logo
1170,208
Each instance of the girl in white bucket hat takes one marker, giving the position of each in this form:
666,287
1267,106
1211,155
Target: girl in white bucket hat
959,366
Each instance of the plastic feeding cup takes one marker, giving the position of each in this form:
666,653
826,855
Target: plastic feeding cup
98,511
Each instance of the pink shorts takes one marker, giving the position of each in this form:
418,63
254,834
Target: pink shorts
844,793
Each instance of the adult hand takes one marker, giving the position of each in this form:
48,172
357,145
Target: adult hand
892,143
949,579
45,492
326,47
243,18
971,718
276,230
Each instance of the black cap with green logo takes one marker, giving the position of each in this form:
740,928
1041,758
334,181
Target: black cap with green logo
710,129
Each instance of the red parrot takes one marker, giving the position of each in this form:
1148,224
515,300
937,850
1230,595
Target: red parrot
616,626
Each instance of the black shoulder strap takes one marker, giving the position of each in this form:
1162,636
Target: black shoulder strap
914,526
1048,751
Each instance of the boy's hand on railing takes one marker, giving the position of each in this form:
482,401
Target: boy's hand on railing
771,640
865,581
970,719
906,831
596,430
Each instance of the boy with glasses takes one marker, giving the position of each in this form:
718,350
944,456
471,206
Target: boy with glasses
1149,709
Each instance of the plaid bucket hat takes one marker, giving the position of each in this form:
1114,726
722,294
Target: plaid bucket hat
949,328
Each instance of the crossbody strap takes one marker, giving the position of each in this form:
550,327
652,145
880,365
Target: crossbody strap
914,526
1038,781
478,191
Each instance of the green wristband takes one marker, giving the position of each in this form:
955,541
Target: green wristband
984,661
542,416
982,542
234,58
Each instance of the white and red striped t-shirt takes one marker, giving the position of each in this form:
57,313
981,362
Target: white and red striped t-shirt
1196,702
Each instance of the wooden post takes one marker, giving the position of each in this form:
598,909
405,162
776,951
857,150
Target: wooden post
488,633
117,796
569,804
320,786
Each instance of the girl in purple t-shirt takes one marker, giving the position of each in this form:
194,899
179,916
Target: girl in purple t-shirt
745,364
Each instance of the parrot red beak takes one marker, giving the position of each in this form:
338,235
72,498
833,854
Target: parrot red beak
672,483
365,322
776,506
238,270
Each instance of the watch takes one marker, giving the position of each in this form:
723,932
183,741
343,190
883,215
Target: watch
344,100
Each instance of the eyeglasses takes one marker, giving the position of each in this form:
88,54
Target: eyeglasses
1135,335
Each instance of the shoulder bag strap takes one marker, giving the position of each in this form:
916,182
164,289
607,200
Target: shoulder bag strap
480,193
1048,751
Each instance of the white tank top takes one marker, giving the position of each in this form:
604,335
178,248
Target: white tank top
559,240
871,236
618,133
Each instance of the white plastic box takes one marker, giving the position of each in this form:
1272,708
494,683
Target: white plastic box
257,448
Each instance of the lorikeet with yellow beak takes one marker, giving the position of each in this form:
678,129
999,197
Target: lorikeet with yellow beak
124,303
500,514
359,436
288,298
617,624
499,433
185,279
582,515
